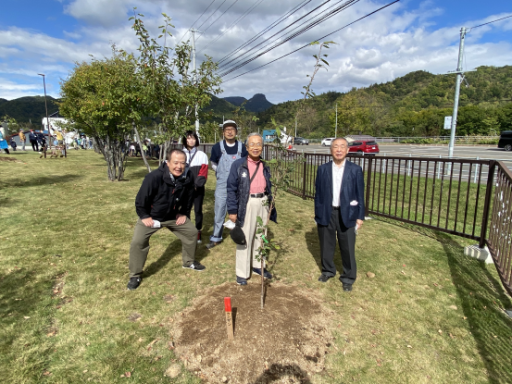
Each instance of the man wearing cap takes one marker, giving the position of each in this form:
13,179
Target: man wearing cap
248,189
224,154
339,210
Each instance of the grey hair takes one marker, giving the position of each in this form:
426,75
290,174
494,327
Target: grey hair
255,134
340,138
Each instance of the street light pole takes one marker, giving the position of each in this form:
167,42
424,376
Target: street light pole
457,92
46,109
336,126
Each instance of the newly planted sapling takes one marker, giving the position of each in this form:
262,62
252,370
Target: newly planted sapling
282,165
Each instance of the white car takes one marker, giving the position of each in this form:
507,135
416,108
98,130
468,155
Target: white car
327,141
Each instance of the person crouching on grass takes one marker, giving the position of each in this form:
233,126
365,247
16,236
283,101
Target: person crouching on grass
248,190
164,199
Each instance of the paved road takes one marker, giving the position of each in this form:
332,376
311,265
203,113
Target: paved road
468,152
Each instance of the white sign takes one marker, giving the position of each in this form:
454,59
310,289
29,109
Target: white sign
447,122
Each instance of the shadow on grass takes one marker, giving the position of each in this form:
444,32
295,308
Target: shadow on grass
314,248
173,249
481,295
277,371
39,180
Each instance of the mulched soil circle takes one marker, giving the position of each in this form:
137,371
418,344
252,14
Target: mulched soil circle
286,342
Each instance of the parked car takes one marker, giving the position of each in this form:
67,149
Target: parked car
327,141
505,141
364,147
301,141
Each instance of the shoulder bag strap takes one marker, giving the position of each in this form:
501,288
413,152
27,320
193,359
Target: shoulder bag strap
255,172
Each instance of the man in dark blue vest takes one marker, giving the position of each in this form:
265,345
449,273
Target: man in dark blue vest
339,210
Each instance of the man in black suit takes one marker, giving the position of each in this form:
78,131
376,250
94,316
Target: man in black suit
339,210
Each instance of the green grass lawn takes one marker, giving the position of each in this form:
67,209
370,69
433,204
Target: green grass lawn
430,315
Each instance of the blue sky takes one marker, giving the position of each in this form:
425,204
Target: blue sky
48,36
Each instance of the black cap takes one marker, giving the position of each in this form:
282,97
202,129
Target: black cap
238,235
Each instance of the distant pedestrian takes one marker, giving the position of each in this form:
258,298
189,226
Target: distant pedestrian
22,139
3,142
32,137
41,139
137,150
13,144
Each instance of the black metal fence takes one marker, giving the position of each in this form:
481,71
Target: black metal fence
457,196
463,197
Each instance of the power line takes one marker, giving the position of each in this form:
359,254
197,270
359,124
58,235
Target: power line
266,29
237,59
194,23
319,39
481,25
290,37
317,20
213,13
234,23
227,9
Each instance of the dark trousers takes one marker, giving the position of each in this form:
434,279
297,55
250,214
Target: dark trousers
347,243
35,146
198,207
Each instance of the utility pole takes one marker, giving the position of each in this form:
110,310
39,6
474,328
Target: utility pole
336,124
295,125
46,109
457,91
193,31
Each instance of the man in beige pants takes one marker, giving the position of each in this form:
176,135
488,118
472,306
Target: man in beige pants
248,190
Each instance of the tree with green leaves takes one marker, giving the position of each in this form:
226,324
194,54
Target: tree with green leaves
170,89
97,99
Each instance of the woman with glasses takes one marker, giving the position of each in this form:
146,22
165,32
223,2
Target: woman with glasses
197,162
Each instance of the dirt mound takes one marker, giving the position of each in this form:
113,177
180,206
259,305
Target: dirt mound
285,343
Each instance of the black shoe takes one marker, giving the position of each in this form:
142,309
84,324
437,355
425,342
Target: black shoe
134,283
196,266
347,287
266,273
212,244
323,278
241,281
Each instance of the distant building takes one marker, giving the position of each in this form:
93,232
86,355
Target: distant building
55,119
269,135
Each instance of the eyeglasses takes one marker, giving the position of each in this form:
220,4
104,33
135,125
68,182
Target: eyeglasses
255,145
229,129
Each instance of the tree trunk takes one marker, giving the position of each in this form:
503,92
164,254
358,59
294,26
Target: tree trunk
114,154
141,149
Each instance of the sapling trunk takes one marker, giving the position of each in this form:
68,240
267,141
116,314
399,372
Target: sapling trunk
271,207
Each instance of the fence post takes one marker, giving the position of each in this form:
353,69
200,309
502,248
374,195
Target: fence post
476,172
367,186
439,168
304,177
409,166
487,202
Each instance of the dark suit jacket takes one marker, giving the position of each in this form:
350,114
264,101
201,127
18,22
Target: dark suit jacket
352,190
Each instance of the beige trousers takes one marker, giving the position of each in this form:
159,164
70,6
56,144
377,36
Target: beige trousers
247,253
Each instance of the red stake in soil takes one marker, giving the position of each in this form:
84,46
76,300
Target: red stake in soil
229,317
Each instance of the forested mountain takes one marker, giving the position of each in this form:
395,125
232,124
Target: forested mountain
235,100
412,105
257,103
28,108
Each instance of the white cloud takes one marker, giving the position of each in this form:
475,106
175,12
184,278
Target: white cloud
391,43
